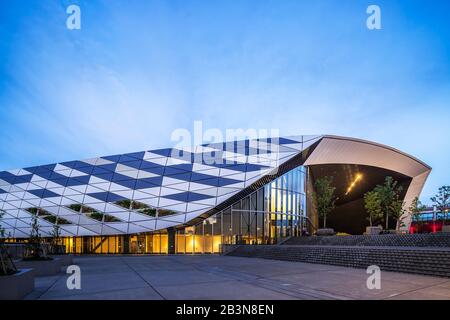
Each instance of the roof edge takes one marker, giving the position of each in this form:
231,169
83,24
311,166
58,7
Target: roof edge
335,137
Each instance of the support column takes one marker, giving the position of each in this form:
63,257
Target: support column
126,244
171,233
311,208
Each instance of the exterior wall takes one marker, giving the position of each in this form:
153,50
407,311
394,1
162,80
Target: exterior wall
312,213
266,216
126,203
154,243
414,190
140,192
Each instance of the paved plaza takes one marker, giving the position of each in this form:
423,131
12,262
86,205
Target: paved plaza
229,278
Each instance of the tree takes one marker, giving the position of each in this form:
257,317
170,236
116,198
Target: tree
324,197
442,200
6,264
56,234
415,210
34,246
389,194
372,203
397,210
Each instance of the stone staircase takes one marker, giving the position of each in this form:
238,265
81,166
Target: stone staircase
386,240
418,254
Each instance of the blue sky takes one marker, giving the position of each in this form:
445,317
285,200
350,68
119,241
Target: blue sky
138,70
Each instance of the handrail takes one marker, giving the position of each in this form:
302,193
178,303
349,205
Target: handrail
308,219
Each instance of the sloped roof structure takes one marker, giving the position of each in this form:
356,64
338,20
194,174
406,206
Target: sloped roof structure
153,190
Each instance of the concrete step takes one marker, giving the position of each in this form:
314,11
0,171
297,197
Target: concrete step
441,239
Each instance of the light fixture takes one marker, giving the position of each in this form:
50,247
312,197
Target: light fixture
357,178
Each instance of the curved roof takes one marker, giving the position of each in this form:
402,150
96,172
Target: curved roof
152,190
337,149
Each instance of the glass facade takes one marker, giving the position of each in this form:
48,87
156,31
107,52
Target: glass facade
267,216
154,243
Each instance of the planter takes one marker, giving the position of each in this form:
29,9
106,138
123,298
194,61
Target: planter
66,259
325,232
16,286
42,268
373,230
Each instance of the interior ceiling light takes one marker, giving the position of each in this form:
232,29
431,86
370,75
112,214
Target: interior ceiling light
357,178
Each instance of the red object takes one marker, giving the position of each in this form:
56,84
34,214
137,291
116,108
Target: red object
426,227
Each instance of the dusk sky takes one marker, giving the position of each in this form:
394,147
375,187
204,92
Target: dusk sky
138,70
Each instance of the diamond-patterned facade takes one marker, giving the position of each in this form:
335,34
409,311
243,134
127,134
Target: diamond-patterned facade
138,192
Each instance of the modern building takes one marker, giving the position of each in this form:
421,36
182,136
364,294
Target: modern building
430,220
192,200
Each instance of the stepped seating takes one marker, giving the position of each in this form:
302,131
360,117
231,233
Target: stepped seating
385,240
421,261
419,254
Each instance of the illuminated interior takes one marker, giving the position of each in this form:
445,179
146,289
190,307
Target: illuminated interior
266,216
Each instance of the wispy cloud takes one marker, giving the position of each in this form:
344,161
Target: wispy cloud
138,70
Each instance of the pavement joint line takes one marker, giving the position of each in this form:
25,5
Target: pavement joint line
308,287
217,265
414,290
314,294
51,286
138,274
245,281
92,292
231,280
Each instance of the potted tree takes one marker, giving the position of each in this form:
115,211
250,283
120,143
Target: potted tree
14,283
389,195
372,204
57,249
325,201
35,255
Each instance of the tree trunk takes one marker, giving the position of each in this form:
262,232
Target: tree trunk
387,221
324,221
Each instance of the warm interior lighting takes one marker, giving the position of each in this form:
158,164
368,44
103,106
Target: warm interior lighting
357,178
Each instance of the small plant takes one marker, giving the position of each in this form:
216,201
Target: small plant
343,234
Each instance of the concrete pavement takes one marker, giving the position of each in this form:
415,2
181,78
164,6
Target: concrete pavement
229,278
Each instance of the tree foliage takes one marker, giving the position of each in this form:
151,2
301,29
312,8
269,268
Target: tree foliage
34,246
415,210
7,266
397,210
389,194
442,200
372,204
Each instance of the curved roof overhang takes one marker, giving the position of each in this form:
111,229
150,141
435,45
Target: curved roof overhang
289,153
343,150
